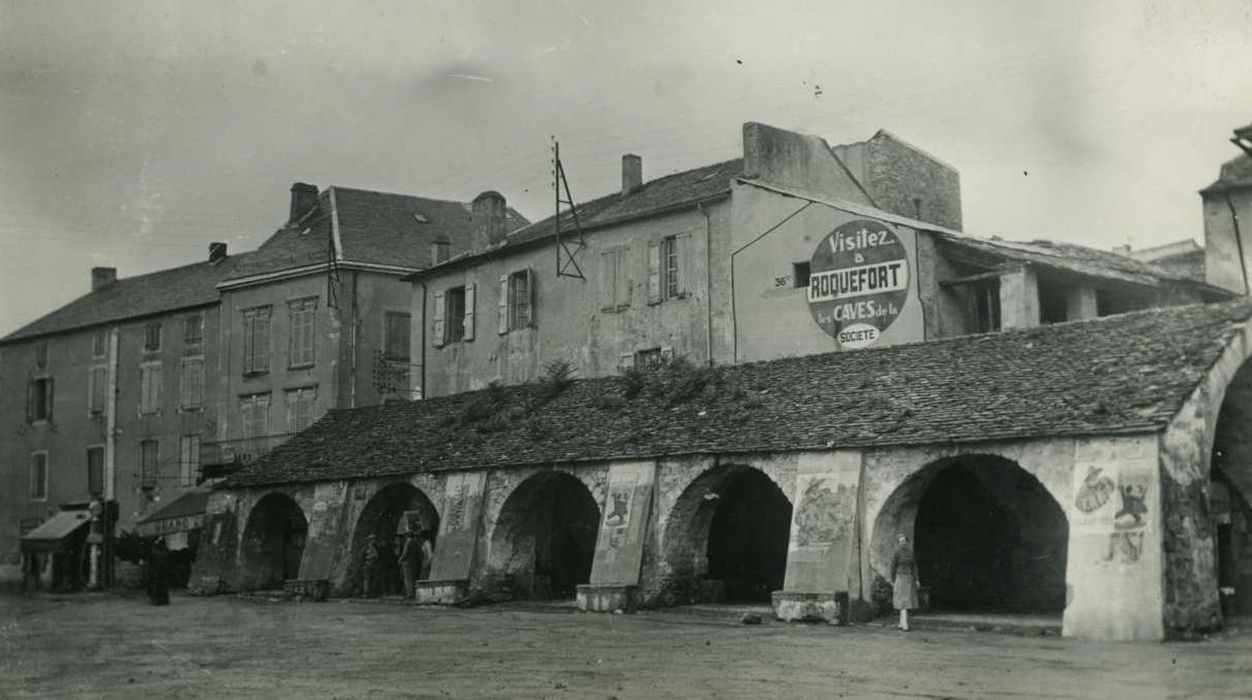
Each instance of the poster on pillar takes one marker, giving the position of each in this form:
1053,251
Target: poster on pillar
458,529
1114,499
627,507
823,531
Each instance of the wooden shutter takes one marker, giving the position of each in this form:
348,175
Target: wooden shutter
48,395
608,280
439,319
682,246
623,277
530,297
30,401
654,272
502,306
469,311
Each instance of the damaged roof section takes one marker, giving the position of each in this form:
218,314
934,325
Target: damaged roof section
1118,374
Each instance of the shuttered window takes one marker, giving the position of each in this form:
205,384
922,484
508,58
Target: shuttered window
100,344
301,340
396,342
256,339
152,337
97,390
39,399
193,334
149,469
300,404
150,387
191,384
517,301
188,460
668,261
614,279
39,476
254,411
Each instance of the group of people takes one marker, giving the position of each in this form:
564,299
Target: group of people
393,565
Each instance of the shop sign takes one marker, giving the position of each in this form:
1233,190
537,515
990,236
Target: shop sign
858,282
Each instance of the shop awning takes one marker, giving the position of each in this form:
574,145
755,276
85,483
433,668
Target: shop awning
54,531
182,514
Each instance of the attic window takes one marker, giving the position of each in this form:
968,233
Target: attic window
421,218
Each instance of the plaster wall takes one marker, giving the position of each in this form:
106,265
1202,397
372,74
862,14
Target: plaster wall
574,320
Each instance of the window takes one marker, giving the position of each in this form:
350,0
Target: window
188,460
667,268
152,337
517,301
454,318
97,389
396,336
300,344
149,469
191,384
300,408
653,356
150,387
439,251
800,275
614,279
39,400
255,410
100,344
256,340
193,334
95,470
986,305
39,476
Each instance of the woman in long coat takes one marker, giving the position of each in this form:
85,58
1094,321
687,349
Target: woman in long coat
904,580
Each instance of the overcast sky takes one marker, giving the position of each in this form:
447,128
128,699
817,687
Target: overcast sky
133,133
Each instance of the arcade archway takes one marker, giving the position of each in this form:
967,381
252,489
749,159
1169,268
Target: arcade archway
727,537
545,538
988,536
273,542
392,511
1229,496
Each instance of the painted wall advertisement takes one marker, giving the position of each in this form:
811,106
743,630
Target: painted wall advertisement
858,282
619,546
1112,499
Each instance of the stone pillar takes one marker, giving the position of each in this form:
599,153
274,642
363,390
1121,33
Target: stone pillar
455,548
1080,303
324,536
1019,299
1115,566
615,569
823,557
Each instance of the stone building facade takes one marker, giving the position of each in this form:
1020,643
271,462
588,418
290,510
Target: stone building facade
138,390
726,264
787,480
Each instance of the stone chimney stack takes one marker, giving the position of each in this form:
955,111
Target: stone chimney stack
102,277
487,225
303,198
217,251
632,172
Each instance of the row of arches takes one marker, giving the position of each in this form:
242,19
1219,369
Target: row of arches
987,535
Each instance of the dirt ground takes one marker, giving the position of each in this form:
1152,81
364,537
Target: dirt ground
101,645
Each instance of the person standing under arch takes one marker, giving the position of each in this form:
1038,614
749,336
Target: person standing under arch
904,580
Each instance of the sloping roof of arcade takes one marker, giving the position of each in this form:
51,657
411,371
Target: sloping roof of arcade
1118,374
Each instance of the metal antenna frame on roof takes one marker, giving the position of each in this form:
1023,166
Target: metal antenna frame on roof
567,266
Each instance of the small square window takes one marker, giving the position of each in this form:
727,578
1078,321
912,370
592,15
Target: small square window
100,344
152,337
800,274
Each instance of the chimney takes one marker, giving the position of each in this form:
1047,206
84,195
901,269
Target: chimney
303,198
217,251
102,277
1122,250
632,172
487,220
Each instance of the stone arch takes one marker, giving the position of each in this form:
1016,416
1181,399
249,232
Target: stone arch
726,536
544,538
273,542
988,535
392,510
1228,492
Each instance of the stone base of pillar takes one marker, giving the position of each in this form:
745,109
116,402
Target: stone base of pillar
316,589
450,592
609,598
791,606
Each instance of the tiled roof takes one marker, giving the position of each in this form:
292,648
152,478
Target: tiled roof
1066,257
1118,374
1235,173
141,295
374,227
662,193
